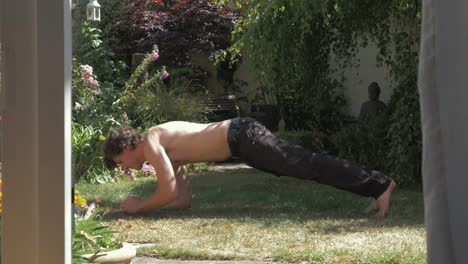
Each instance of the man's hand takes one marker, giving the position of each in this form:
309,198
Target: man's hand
131,204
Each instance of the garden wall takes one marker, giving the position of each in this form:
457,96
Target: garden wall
357,79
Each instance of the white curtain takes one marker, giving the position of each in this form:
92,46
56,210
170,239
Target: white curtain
443,87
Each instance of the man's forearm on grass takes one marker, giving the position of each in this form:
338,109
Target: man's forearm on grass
179,203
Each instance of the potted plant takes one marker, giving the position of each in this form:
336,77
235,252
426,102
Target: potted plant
95,242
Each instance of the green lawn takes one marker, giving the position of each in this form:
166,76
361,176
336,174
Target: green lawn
249,215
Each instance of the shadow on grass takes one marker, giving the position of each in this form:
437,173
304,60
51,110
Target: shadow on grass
246,194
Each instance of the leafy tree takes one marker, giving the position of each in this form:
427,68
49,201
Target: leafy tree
289,44
178,27
292,44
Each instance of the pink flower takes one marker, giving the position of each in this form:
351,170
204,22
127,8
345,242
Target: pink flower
129,174
124,117
87,75
91,82
155,55
164,74
86,71
96,92
148,168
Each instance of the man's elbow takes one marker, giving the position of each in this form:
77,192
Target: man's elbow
171,194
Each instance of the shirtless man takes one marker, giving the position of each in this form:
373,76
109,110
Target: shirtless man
171,145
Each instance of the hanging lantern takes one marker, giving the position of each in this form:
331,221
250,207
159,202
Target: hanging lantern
93,10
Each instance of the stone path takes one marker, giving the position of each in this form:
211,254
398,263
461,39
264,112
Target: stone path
145,260
230,166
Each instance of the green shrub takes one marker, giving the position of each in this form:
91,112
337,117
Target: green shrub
198,168
92,43
87,155
267,114
314,141
148,109
354,142
156,101
404,136
361,144
93,50
91,237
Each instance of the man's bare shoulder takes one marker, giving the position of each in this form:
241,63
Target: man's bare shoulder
153,131
153,136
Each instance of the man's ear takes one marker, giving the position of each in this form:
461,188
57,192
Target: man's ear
126,149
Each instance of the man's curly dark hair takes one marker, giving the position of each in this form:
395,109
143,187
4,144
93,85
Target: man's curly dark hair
116,141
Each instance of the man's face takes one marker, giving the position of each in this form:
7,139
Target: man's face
129,159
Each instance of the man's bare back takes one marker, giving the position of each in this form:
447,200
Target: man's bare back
186,142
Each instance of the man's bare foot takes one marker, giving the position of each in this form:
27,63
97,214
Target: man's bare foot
383,201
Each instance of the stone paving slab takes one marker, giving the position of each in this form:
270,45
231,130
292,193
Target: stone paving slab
146,260
230,166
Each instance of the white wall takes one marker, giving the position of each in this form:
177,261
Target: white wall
358,79
213,84
244,72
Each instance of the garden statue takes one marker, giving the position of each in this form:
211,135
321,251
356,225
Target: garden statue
244,105
373,108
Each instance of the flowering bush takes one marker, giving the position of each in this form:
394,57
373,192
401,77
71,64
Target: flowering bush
98,107
159,98
93,116
92,49
133,82
86,91
164,74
